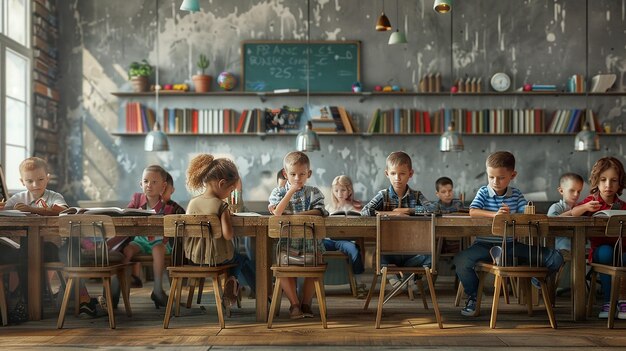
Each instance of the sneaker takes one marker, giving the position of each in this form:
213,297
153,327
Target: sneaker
306,311
535,282
604,312
470,308
88,309
295,312
361,291
621,309
135,282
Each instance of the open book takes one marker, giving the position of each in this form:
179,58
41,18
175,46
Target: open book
246,214
609,213
13,213
110,211
345,213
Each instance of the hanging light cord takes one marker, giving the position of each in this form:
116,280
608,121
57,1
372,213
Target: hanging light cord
156,86
308,50
397,18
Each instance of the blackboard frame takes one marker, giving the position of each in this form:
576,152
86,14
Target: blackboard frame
4,191
357,43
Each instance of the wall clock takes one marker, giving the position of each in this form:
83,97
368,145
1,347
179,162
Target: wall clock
500,82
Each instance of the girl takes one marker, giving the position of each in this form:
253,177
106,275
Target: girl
218,178
154,184
342,196
607,181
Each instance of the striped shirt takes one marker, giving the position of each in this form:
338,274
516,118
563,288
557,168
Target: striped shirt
454,206
487,199
305,199
388,200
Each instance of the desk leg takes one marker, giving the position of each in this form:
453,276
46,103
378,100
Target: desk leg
578,274
263,277
35,266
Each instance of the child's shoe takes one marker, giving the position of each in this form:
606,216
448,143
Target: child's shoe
361,291
306,311
621,309
604,311
295,312
470,308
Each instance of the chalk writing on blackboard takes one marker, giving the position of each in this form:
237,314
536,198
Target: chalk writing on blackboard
328,66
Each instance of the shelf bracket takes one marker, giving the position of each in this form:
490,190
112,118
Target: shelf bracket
364,96
262,97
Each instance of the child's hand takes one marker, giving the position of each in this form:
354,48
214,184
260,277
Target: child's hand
402,211
504,209
22,207
592,206
2,205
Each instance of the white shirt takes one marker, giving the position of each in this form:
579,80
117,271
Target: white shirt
48,199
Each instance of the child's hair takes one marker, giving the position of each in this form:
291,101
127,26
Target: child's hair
33,163
344,181
571,176
169,179
600,167
205,168
158,169
296,158
501,159
399,158
280,175
442,182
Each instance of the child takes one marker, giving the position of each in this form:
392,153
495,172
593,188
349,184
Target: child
399,199
154,184
281,180
496,198
570,187
607,181
296,197
218,178
342,200
444,191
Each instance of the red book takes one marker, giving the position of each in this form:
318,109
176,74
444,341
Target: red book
418,124
426,116
468,121
128,117
194,121
242,119
538,124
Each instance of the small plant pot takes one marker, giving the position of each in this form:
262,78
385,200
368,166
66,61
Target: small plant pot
202,83
139,83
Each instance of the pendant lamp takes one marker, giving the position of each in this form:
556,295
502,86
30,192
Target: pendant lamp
451,140
586,140
442,6
397,37
156,140
383,23
190,5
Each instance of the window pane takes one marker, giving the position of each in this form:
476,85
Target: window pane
16,122
15,155
16,21
16,73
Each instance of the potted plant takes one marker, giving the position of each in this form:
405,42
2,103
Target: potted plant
138,74
201,81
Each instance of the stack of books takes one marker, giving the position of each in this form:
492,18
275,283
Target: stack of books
543,87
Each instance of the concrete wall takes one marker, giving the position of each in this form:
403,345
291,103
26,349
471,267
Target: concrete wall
534,41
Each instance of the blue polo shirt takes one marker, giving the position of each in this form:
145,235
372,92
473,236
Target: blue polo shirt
487,199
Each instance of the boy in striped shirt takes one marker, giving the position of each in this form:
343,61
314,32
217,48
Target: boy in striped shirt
496,198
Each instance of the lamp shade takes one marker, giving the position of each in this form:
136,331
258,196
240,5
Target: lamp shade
190,5
442,6
156,140
397,37
383,23
586,140
450,140
307,140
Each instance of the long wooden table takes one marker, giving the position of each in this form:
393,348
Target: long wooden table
578,228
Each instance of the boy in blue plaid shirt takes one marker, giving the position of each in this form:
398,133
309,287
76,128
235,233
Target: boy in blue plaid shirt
296,197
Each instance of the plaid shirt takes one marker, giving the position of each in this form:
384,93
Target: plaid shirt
307,198
388,200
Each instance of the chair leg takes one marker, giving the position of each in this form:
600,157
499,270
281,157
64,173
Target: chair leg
381,296
3,302
459,295
592,293
179,290
371,291
528,291
420,286
280,298
76,297
433,297
321,301
66,298
106,282
479,293
218,300
496,300
615,283
192,289
200,290
351,277
275,303
548,303
125,289
505,290
170,302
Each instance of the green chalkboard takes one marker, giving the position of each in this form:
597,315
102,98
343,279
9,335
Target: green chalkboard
333,66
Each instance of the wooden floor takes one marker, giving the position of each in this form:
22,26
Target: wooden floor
405,324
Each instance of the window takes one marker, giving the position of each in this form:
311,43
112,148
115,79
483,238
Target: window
15,88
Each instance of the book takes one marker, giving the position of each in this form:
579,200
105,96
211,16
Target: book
13,213
246,214
346,213
602,82
609,213
110,211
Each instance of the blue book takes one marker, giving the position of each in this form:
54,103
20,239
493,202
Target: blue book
396,120
144,120
172,120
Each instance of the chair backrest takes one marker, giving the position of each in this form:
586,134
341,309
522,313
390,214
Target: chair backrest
520,226
181,227
96,228
615,227
297,226
405,236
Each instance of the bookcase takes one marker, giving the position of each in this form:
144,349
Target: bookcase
405,113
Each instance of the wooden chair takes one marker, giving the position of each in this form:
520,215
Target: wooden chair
516,226
404,236
345,261
181,227
4,269
92,264
614,228
294,227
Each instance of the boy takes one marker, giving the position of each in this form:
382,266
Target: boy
399,199
570,188
495,198
296,197
444,191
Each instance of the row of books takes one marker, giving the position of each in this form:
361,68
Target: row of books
213,121
576,84
333,119
139,118
501,121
